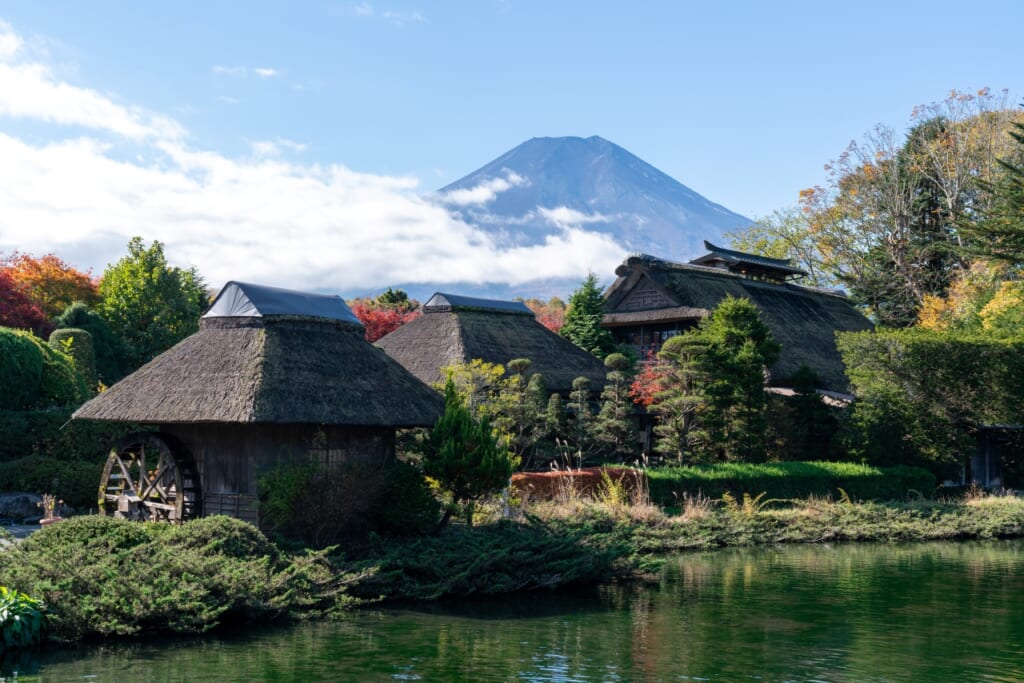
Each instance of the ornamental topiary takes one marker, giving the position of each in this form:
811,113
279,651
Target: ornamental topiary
78,344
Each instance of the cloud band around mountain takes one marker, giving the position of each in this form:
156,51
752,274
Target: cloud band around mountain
107,171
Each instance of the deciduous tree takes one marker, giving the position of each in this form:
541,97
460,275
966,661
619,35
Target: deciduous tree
50,282
149,304
17,310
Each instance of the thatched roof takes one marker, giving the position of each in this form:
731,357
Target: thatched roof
290,358
459,329
748,264
803,319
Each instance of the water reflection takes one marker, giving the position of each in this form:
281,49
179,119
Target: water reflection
846,613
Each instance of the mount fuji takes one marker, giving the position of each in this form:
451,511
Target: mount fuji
546,184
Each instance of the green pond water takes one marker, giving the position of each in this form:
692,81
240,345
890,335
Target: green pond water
925,612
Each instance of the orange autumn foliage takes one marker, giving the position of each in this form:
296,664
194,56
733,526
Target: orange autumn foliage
380,320
50,282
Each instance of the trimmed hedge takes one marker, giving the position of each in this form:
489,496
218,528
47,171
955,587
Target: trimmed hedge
77,343
789,480
34,375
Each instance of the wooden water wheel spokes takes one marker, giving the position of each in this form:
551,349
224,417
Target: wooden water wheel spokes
148,478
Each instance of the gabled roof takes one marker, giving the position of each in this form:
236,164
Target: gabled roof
739,261
270,364
458,333
456,302
803,319
246,300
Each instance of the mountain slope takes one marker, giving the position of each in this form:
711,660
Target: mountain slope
547,184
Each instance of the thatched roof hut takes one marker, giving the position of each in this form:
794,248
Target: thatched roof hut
652,300
459,329
271,374
266,355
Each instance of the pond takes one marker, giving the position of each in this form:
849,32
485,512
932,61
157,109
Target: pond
925,612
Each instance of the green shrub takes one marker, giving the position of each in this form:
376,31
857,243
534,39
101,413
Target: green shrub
789,480
21,619
301,502
21,369
77,343
496,558
34,375
52,432
90,533
114,577
108,348
73,481
406,505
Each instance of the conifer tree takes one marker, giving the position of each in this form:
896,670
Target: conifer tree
679,400
580,422
583,320
740,348
1001,234
464,456
614,425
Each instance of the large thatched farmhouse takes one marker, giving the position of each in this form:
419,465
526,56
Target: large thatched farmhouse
652,300
460,328
271,376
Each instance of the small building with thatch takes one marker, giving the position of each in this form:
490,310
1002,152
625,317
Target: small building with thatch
652,300
271,376
457,329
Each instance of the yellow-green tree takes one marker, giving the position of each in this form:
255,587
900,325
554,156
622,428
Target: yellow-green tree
465,456
149,304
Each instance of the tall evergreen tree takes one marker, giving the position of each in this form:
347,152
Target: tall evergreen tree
679,400
464,455
583,320
1001,234
580,422
740,347
614,425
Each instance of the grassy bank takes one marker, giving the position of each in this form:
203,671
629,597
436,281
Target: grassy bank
102,577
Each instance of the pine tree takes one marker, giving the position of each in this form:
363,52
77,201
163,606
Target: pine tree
519,409
580,422
679,400
740,348
464,455
1001,234
583,320
614,425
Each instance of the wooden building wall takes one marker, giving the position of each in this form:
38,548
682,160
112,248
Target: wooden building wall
230,458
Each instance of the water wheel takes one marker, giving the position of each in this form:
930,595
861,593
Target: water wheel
149,477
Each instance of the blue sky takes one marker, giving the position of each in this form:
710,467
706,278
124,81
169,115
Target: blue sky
299,131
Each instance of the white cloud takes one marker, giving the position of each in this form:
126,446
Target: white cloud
10,42
227,100
411,17
564,217
363,9
398,17
485,192
261,218
244,71
275,147
229,70
31,91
